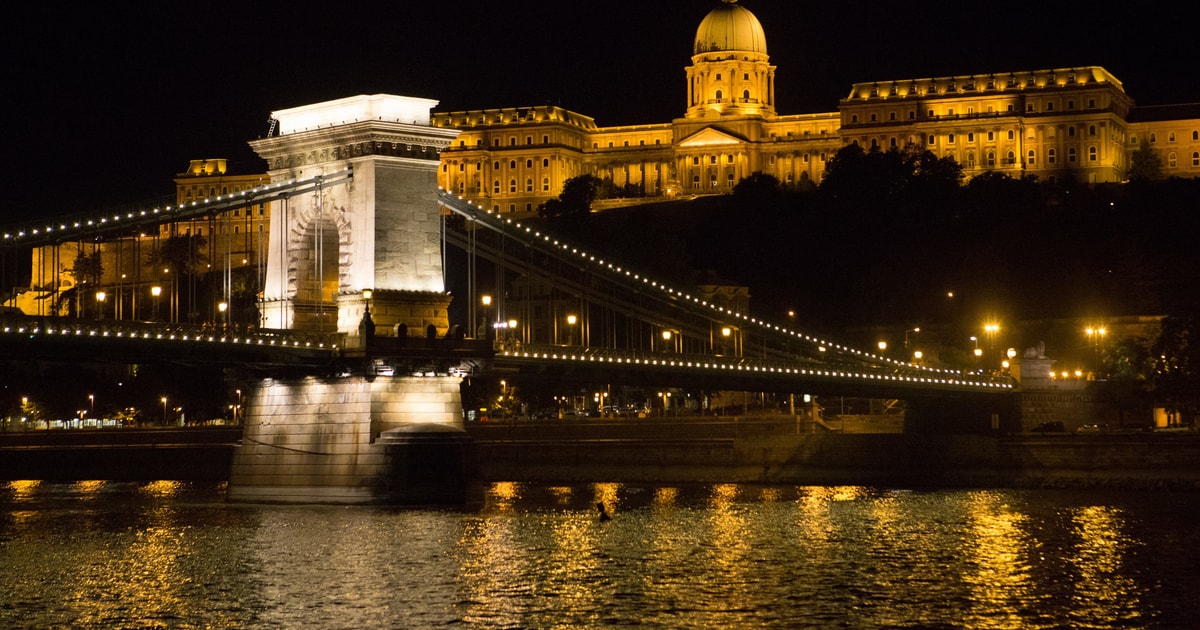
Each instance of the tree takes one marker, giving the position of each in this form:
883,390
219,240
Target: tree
759,187
88,269
1145,165
1176,375
576,198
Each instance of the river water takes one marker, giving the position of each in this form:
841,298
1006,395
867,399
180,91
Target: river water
176,555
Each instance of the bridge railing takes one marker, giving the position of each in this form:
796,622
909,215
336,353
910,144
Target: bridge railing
678,361
11,323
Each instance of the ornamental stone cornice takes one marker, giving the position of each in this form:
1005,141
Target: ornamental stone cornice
352,140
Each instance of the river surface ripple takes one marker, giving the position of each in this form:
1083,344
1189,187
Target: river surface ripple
176,555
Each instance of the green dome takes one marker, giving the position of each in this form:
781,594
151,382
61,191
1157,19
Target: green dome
730,27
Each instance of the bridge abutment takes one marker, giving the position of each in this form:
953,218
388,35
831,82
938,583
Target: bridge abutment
356,439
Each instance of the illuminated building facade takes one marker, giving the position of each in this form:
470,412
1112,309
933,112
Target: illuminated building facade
1053,124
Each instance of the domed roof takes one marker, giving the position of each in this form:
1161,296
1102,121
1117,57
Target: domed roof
730,27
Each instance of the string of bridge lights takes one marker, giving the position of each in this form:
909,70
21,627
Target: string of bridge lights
451,200
195,206
101,331
719,366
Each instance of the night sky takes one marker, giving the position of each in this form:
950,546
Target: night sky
107,102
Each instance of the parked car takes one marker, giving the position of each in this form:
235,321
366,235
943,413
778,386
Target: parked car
1049,427
1092,428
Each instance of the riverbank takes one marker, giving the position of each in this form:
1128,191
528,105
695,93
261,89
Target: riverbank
703,450
780,451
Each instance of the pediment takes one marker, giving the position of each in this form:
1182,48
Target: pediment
709,137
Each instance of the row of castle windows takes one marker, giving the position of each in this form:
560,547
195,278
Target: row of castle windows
512,185
1170,137
1029,107
641,143
991,135
1012,82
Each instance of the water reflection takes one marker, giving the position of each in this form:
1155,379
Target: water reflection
167,554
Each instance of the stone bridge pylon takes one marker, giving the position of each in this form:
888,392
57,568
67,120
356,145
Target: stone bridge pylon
370,242
377,231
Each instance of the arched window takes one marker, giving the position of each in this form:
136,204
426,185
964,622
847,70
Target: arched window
1031,158
745,95
529,185
1092,154
1050,156
546,183
512,185
1172,160
496,187
719,95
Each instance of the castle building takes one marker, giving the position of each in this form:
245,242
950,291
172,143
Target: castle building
1053,124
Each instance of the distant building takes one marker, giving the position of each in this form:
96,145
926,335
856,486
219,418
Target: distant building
130,286
1058,123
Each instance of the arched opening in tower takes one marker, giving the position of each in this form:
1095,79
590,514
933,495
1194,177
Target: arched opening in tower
317,278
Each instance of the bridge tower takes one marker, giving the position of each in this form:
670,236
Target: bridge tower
360,256
377,231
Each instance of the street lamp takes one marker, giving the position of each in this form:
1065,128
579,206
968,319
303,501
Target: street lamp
991,330
223,307
100,297
486,301
155,291
164,402
882,345
92,402
571,321
910,330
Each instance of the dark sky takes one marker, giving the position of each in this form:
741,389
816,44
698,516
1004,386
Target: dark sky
107,102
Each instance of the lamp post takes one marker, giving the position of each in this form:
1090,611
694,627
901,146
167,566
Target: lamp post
100,297
223,308
910,330
991,330
164,402
155,292
571,321
486,301
92,404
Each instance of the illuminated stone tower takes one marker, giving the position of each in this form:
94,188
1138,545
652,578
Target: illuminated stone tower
731,74
357,435
378,231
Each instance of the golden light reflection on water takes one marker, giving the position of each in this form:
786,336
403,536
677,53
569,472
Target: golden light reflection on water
502,494
562,494
1102,588
162,489
997,548
88,489
665,497
23,490
606,493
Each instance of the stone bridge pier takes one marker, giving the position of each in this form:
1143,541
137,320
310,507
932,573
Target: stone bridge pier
361,257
